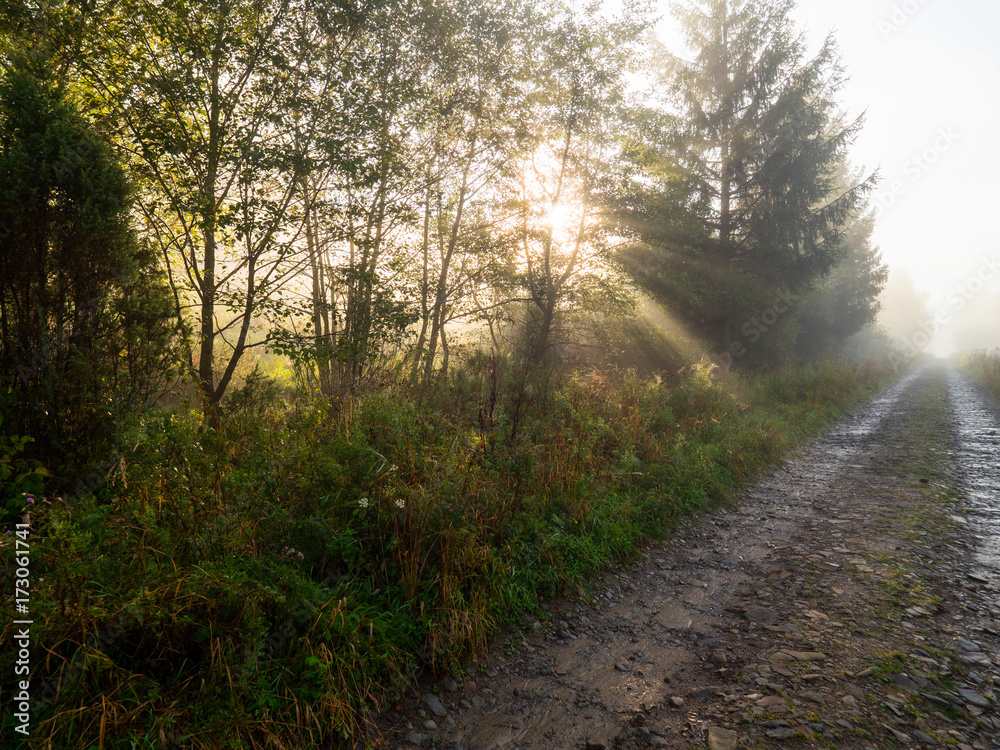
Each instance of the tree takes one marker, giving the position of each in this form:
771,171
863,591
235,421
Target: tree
85,324
847,299
219,107
761,152
364,193
63,30
578,102
476,103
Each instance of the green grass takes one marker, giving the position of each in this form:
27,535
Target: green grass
984,367
277,579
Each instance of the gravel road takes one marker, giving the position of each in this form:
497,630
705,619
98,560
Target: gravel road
846,601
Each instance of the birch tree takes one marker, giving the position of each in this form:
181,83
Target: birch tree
564,236
218,107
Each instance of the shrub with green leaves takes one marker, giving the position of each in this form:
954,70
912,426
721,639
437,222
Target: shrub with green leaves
86,336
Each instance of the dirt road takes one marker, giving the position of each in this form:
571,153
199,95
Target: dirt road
847,601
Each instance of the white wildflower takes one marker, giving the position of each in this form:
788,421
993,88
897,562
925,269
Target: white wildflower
400,503
363,502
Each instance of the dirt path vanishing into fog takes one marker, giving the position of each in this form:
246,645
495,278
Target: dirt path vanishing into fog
846,601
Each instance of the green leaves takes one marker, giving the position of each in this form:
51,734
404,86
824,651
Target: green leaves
411,158
745,199
84,337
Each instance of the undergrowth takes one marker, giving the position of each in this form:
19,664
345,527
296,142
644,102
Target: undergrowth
273,581
985,367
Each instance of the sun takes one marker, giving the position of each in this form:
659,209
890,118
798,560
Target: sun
562,219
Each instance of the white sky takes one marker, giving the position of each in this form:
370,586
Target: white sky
920,68
937,70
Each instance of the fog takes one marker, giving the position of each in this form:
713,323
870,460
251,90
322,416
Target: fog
949,320
924,73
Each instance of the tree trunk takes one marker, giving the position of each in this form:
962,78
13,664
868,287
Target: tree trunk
206,356
541,344
441,295
444,354
725,135
318,297
424,281
725,165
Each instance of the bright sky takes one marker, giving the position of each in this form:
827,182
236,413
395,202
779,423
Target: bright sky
927,72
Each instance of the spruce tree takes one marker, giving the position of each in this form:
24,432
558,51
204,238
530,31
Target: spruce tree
85,327
762,142
847,299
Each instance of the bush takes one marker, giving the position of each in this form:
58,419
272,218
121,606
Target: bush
86,337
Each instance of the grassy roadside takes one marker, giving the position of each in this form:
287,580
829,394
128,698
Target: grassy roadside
268,582
984,367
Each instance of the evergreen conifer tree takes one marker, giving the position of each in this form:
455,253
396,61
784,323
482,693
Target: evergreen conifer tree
762,144
85,331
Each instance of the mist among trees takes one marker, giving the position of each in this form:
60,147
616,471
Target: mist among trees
356,184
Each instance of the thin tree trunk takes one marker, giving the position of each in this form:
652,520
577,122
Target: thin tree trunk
548,311
206,354
441,296
547,304
318,296
726,134
425,280
725,166
444,353
329,296
241,342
